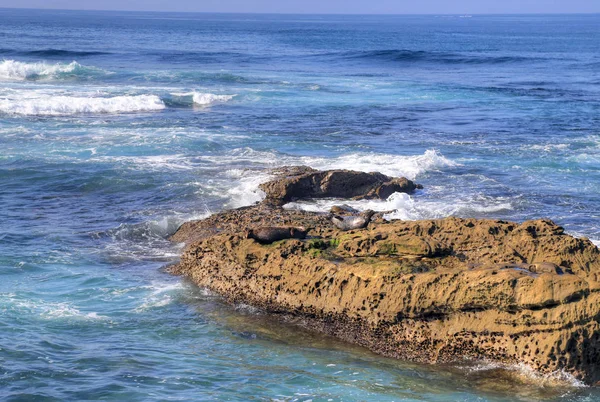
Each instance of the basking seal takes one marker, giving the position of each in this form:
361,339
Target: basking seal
270,234
353,221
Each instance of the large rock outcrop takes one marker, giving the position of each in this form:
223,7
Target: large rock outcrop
302,182
429,291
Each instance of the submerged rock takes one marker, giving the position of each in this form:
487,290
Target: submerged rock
302,182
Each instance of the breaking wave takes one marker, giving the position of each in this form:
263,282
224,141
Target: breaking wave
12,70
69,105
204,99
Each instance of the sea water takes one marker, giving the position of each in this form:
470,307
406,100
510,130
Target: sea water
117,127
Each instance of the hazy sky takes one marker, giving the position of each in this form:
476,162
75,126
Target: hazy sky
324,6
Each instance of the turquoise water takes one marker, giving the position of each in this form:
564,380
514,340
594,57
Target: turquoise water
117,127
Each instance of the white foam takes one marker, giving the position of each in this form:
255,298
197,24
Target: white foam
162,294
19,71
46,105
596,242
159,163
45,309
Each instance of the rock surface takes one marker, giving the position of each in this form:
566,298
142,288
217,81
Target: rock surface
302,182
429,291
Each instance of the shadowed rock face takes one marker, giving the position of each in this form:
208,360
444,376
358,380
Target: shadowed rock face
428,291
301,182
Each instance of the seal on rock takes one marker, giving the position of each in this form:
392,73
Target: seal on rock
270,234
353,221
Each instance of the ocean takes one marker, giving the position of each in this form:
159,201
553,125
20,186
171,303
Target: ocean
116,127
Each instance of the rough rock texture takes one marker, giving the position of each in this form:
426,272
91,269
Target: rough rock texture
428,291
302,182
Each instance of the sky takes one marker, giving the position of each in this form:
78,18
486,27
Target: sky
323,6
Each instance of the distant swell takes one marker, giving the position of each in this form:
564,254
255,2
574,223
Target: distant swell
52,53
432,57
69,105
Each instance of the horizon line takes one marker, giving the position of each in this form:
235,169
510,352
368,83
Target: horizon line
294,13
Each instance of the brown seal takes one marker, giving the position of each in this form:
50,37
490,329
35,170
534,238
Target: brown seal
270,234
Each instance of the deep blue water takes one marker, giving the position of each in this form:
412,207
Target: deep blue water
117,127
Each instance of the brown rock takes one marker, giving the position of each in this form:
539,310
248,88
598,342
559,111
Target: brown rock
301,182
429,291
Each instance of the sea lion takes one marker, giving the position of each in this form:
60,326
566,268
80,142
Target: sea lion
353,221
270,234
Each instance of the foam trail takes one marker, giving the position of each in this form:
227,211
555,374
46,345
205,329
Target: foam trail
20,71
68,105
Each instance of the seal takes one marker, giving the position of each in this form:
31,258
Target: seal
353,221
343,210
270,234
